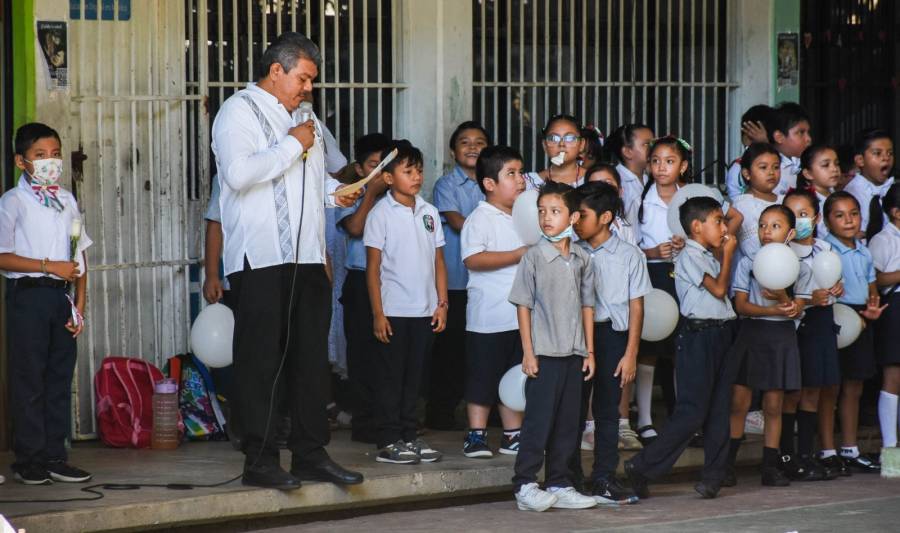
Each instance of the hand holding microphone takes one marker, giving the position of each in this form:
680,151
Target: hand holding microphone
305,132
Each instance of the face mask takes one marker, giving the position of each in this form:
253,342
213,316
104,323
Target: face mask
46,171
804,227
566,233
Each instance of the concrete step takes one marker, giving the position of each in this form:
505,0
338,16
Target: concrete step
213,462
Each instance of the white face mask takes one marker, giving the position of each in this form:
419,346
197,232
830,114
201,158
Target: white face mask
46,171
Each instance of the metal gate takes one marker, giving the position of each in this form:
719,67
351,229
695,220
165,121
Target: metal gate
608,62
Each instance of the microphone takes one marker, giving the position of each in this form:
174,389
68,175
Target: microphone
306,113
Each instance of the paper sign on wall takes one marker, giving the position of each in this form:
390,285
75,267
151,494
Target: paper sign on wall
53,41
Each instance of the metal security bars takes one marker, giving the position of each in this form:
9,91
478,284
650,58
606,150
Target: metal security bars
608,62
356,89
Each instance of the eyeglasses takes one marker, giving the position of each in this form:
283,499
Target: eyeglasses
568,138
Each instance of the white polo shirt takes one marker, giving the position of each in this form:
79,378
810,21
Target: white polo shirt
33,230
488,229
751,208
407,239
654,230
885,249
863,190
790,167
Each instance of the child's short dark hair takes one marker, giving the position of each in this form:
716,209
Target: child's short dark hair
600,197
696,208
754,151
490,163
866,137
834,198
621,137
406,153
804,193
567,192
791,217
784,117
369,144
758,113
467,125
891,199
604,167
30,133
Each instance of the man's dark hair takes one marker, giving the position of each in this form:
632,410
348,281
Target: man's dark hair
696,208
567,192
406,154
30,133
783,118
369,144
600,197
285,50
468,125
490,163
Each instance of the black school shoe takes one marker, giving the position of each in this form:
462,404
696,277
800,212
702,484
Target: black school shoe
611,492
800,469
32,474
836,465
863,464
772,476
707,489
61,471
730,479
637,481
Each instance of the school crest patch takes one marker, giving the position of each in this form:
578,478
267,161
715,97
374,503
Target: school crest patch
429,223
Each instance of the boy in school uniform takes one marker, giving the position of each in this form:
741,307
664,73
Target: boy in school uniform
407,283
456,195
621,281
873,154
706,333
554,293
42,255
491,249
361,343
789,134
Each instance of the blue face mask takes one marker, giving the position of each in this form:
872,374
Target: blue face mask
804,227
566,233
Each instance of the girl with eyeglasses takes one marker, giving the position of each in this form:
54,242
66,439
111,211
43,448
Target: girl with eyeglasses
562,142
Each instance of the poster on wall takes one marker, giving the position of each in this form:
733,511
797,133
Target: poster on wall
788,60
53,41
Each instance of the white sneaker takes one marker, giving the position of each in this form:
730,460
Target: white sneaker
628,439
569,498
531,498
755,423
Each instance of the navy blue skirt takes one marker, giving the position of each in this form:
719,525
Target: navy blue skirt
858,359
767,355
887,331
817,339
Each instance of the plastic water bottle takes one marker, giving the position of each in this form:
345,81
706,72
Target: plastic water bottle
165,415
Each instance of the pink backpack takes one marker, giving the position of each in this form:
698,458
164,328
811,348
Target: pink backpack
124,392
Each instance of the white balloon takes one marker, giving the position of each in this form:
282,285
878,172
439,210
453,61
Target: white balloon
850,322
827,269
212,334
660,315
512,388
525,217
691,190
776,266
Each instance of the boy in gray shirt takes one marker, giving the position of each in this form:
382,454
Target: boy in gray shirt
706,334
553,292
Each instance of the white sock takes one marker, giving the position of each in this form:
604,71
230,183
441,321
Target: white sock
850,452
887,416
644,387
624,423
589,426
825,454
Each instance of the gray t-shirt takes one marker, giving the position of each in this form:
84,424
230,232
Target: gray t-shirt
555,289
691,267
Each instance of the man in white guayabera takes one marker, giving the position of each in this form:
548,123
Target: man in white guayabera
271,160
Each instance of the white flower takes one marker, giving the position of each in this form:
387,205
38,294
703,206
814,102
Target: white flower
76,227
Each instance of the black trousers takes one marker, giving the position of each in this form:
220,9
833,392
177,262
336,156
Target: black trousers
261,331
41,363
705,377
551,421
446,366
361,353
399,367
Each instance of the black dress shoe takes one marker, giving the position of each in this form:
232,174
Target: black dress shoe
326,470
270,477
730,479
637,480
772,476
707,489
799,469
836,465
863,464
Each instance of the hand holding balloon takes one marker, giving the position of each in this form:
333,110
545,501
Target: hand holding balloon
212,335
530,365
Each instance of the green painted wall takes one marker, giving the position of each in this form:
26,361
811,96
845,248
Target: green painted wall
24,75
785,19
